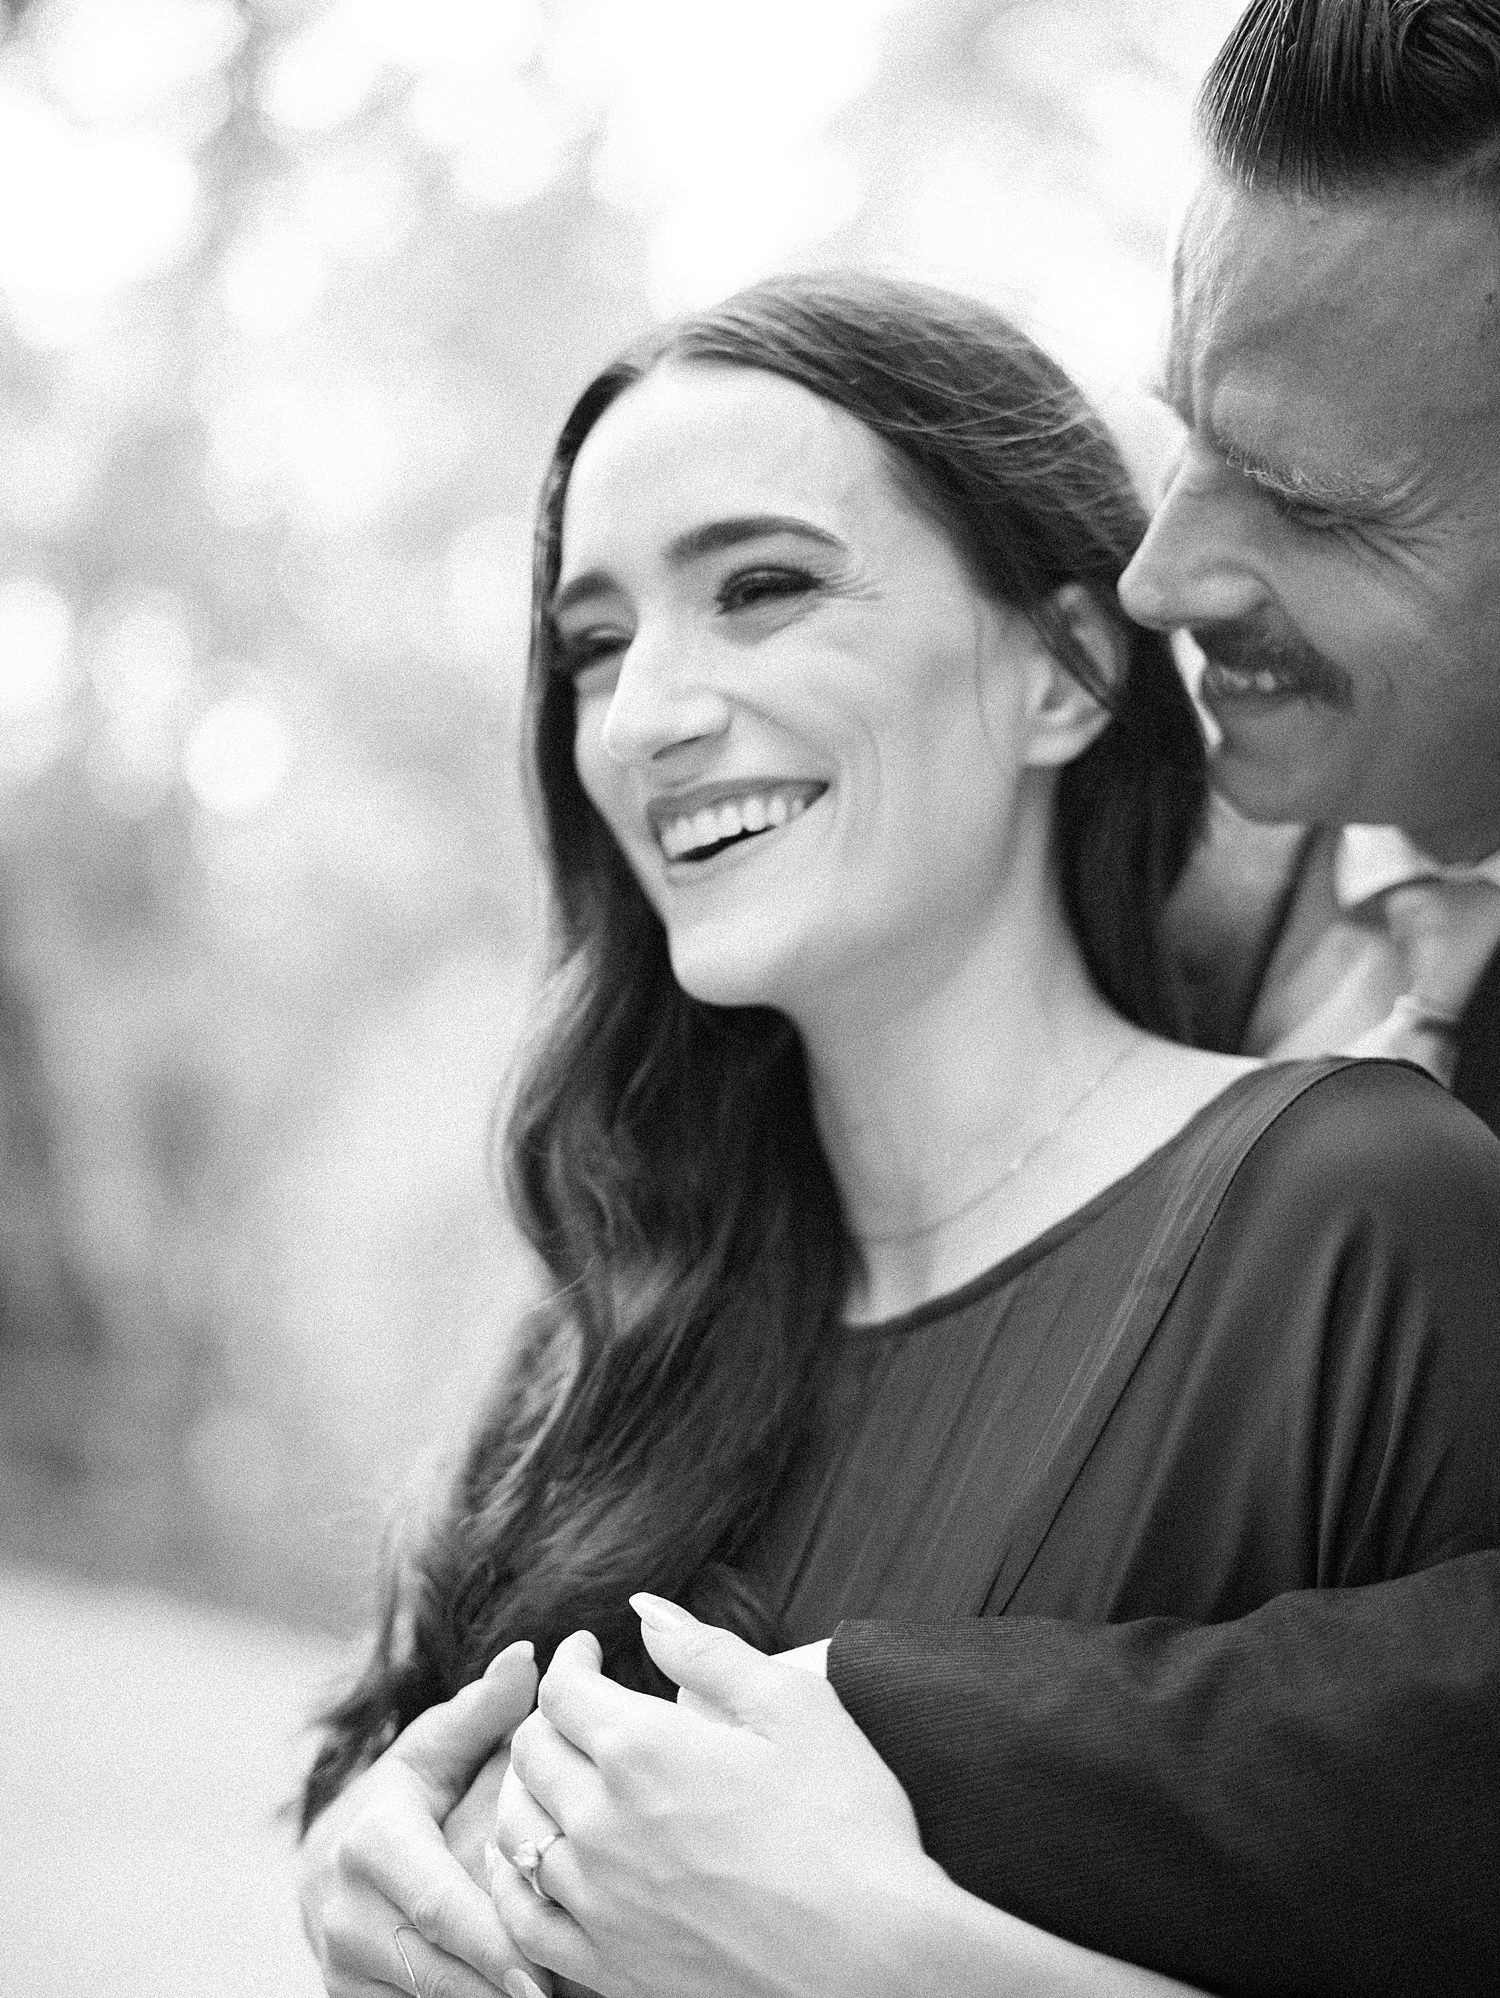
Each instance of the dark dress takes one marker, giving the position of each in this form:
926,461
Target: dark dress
1318,1408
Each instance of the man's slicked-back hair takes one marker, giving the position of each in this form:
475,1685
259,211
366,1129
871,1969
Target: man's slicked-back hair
1331,97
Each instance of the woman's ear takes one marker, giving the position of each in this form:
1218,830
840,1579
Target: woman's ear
1064,717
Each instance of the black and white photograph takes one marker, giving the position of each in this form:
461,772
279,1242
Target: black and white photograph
750,998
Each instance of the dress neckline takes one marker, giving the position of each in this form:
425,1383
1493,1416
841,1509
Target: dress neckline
975,1288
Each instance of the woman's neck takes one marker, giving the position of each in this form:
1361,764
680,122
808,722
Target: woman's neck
938,1099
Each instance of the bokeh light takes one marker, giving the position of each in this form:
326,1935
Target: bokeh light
715,129
273,278
236,756
131,60
142,671
359,205
319,78
36,674
103,208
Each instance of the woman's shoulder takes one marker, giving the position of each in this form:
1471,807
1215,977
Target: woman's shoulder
1303,1128
1360,1246
1335,1327
1356,1247
1376,1150
1383,1123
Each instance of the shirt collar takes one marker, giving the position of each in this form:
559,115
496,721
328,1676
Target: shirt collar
1370,859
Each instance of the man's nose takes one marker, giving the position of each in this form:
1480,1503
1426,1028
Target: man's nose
1198,561
663,700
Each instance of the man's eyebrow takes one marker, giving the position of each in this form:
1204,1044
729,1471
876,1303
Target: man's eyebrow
697,542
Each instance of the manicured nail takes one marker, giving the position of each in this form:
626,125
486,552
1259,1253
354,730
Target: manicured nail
522,1648
658,1614
493,1859
516,1984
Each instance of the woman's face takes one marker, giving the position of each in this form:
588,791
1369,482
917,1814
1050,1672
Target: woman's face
806,727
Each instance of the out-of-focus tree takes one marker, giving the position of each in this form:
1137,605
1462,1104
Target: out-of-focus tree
278,367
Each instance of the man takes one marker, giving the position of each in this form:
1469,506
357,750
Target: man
1309,1799
1306,1800
1331,535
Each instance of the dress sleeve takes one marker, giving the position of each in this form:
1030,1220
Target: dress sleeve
1304,1797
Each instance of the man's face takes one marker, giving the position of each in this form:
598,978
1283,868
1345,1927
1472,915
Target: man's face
1331,533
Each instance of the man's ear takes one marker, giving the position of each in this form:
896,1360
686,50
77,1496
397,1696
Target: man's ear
1064,717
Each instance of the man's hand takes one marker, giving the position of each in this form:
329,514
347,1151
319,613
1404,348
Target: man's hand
375,1860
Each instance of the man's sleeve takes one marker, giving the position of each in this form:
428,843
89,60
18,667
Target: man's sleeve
1306,1800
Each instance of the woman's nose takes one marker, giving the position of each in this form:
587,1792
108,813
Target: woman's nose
661,701
1198,563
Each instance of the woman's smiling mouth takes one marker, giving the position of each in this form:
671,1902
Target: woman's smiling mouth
697,824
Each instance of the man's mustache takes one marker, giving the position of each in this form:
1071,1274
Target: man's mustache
1245,645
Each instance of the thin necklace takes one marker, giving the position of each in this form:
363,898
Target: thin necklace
1023,1158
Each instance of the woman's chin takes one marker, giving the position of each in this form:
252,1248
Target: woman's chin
723,985
725,972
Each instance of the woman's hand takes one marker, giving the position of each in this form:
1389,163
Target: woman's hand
751,1845
375,1860
750,1842
470,1825
517,1818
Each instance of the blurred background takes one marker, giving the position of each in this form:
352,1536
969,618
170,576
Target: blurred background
292,296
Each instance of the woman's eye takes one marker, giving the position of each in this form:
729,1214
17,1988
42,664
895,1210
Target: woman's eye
576,652
748,587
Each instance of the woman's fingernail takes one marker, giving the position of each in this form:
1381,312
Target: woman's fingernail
516,1984
522,1648
658,1614
493,1859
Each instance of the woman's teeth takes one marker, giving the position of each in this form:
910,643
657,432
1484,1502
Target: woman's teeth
758,811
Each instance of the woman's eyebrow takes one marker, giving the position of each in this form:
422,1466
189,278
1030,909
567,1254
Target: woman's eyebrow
717,534
697,542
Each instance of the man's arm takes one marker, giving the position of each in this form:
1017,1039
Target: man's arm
1305,1799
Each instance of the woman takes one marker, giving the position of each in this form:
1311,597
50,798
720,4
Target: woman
904,1268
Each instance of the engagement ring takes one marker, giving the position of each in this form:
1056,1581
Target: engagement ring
527,1860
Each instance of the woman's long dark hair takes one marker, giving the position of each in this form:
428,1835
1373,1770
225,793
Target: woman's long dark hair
661,1156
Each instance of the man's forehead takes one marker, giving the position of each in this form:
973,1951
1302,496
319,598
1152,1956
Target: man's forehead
1397,288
